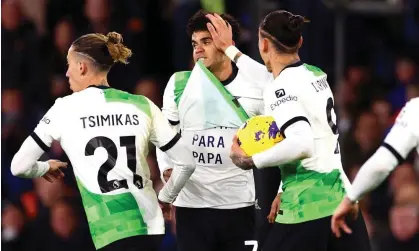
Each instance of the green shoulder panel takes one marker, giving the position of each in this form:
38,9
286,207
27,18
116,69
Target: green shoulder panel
181,79
141,102
315,70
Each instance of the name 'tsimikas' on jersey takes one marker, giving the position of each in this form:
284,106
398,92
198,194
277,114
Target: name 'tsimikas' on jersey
110,165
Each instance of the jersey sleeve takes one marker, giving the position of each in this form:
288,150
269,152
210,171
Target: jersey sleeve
254,70
48,129
162,134
285,105
403,137
397,145
164,162
24,163
292,122
169,108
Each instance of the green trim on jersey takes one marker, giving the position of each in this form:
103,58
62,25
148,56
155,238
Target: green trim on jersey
308,195
181,79
226,94
315,70
111,217
141,102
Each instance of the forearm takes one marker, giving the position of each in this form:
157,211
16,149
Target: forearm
184,166
372,173
25,164
249,67
397,145
164,163
298,144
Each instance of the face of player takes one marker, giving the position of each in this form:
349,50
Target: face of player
263,45
204,48
75,71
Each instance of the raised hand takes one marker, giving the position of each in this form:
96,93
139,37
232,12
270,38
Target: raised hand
221,31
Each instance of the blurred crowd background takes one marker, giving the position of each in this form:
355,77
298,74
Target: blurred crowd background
376,44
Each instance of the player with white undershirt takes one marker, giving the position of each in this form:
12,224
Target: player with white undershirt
105,133
300,100
401,140
215,209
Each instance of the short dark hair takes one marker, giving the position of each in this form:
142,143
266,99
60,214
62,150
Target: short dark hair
284,29
198,22
105,51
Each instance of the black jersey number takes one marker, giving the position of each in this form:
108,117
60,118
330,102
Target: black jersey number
330,105
102,177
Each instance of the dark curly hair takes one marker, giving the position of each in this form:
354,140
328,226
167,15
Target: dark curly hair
198,22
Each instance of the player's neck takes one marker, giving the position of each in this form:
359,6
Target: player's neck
98,81
223,71
280,62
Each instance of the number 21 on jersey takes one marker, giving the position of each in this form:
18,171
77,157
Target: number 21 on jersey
128,142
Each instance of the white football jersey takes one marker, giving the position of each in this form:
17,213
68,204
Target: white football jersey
216,182
313,187
406,127
105,133
399,142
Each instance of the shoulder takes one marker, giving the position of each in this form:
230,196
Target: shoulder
66,101
245,87
304,72
180,79
298,79
413,105
286,83
177,81
313,71
181,75
141,102
409,113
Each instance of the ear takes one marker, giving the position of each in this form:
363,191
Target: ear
265,45
300,43
82,68
234,43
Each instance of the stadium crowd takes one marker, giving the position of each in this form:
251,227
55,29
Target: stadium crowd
381,74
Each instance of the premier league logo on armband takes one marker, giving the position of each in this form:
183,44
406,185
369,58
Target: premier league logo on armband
116,184
46,120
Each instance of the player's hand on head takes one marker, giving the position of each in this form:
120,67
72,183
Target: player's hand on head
239,157
274,208
221,31
343,211
54,171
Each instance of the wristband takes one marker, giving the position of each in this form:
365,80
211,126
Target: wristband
232,52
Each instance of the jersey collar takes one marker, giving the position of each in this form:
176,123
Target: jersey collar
232,76
296,64
99,86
